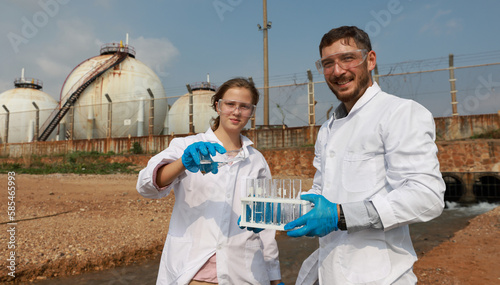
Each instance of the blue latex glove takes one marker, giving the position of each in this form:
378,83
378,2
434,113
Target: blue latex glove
320,221
191,156
281,283
255,230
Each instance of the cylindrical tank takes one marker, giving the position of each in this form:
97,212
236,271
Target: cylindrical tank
126,84
22,113
178,115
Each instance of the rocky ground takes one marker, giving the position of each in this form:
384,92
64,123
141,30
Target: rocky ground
69,224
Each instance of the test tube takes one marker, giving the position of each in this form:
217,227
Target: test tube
277,187
268,206
259,206
297,188
205,163
251,205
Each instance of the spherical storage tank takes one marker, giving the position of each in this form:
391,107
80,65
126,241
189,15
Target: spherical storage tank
178,115
22,112
126,85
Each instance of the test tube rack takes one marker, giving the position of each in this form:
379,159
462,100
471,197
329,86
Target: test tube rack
272,203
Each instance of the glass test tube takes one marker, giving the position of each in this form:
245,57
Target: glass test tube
297,188
250,207
259,206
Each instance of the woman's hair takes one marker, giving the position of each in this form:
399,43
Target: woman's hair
346,33
238,82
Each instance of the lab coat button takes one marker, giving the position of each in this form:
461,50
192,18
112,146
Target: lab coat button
332,153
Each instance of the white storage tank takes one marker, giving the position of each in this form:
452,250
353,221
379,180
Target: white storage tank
22,113
178,115
126,85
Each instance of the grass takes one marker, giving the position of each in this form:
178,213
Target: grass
495,134
77,162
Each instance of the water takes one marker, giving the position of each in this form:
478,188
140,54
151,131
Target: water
293,251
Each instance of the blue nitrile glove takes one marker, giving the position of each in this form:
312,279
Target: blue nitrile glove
191,156
320,221
255,230
281,283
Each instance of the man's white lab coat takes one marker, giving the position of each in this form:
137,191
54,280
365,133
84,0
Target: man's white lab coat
204,219
383,151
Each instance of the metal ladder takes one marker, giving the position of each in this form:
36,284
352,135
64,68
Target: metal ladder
76,90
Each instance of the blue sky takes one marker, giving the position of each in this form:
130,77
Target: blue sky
183,40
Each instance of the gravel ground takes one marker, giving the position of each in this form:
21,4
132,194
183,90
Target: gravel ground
69,224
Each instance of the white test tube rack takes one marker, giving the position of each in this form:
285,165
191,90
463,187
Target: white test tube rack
272,203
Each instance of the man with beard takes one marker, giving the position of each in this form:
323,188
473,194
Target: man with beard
377,172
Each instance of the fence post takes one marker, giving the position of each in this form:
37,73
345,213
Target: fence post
6,125
151,112
191,126
453,90
37,120
312,104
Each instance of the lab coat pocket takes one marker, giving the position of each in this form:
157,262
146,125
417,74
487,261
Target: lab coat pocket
358,172
178,257
254,257
364,256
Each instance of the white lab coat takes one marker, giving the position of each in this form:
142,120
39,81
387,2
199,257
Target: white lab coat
382,151
204,219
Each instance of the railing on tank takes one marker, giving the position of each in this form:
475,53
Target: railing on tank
117,47
203,86
28,83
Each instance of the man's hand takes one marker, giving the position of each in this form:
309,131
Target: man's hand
320,221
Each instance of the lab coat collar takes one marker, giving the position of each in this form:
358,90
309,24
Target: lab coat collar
245,142
341,112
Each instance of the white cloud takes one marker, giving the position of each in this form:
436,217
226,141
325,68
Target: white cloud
441,23
155,52
52,67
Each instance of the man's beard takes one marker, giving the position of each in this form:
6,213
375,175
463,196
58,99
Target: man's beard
362,85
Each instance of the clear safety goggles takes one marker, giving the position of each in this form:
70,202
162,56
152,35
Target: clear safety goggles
229,106
345,60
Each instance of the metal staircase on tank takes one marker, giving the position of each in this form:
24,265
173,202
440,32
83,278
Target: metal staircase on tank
77,89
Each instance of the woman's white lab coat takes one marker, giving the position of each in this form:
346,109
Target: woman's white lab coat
204,219
382,151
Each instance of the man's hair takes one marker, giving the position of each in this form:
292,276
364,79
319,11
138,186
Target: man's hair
346,33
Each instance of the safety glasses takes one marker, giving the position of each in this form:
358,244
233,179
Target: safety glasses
345,60
229,106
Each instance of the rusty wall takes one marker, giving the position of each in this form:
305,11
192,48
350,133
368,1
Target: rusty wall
464,127
478,155
454,156
469,155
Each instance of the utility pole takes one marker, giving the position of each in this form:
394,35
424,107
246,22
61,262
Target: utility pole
266,26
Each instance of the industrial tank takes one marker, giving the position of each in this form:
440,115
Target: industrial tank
19,110
118,99
178,115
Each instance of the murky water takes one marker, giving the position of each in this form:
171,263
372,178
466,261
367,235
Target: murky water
293,251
